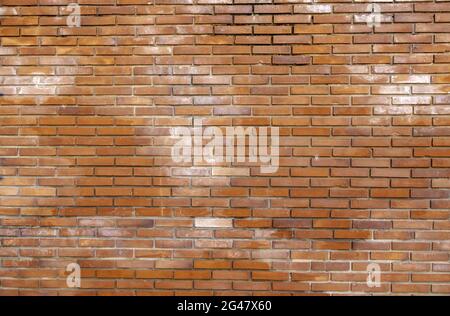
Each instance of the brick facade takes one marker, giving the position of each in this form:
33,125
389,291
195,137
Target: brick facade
363,112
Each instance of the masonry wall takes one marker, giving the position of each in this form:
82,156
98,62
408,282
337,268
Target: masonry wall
87,172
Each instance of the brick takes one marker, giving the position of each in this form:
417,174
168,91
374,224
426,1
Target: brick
85,151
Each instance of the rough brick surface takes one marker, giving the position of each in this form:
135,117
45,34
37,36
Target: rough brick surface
87,176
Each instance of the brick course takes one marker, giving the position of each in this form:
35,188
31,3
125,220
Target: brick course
85,147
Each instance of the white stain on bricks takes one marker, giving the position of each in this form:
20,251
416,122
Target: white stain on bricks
8,11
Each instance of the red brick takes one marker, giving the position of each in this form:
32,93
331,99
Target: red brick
86,170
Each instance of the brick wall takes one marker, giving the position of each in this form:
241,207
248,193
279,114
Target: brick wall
87,173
